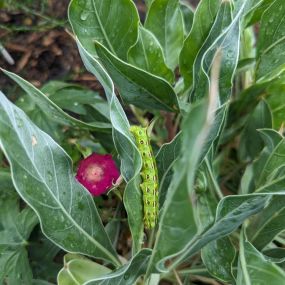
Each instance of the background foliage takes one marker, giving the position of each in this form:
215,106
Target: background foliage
210,81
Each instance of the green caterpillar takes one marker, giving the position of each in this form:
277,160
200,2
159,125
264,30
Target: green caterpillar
149,185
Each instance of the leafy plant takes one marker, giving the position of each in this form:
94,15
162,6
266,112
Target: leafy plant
208,84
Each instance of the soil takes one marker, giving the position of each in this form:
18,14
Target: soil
39,41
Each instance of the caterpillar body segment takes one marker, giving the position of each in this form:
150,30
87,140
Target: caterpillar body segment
149,185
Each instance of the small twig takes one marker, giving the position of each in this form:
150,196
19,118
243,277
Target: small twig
177,277
70,34
6,55
205,280
139,117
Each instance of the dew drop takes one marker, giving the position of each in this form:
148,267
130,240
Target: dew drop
84,15
75,103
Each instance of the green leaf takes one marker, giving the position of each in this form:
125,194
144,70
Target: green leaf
269,177
136,86
255,13
147,54
78,270
218,255
271,41
276,255
276,102
6,183
165,20
165,159
222,21
130,157
198,34
127,274
148,3
270,166
52,110
42,175
76,99
15,228
255,269
263,227
231,213
228,43
251,142
113,23
43,257
188,16
174,230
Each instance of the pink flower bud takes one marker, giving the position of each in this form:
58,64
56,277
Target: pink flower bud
97,173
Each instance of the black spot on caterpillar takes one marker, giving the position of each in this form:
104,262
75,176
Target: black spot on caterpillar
149,185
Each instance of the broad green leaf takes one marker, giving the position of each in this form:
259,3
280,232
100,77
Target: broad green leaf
213,139
43,257
271,41
51,109
147,54
113,227
39,117
231,213
250,97
255,269
222,21
78,270
76,99
129,154
188,16
15,228
111,22
174,230
202,23
127,274
239,3
276,102
165,20
148,3
218,255
276,255
269,176
255,13
228,44
42,175
136,86
270,166
251,142
263,227
165,159
6,183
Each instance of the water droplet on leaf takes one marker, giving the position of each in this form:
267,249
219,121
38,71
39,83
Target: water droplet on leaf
84,15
